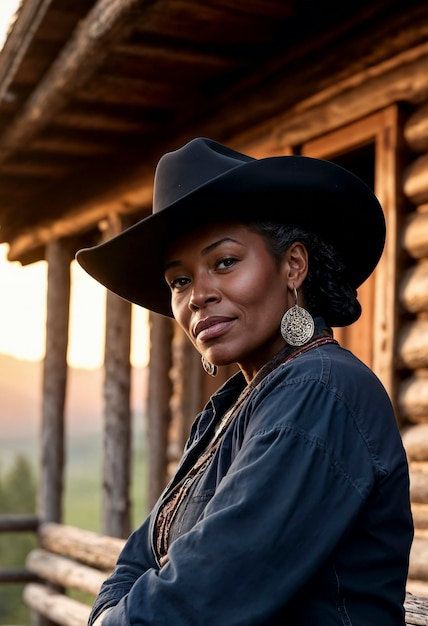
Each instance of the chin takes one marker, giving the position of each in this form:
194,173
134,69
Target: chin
220,360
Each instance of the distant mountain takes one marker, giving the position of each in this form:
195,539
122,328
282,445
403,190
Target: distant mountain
21,397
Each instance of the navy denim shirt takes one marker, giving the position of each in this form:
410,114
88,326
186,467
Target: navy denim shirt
302,518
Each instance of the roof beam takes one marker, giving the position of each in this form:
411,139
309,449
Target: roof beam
402,78
85,51
134,196
19,39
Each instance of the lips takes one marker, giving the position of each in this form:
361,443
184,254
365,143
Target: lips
212,326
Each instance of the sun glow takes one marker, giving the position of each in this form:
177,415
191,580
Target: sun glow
23,316
22,308
23,296
8,11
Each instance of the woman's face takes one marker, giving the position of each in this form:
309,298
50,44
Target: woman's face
228,294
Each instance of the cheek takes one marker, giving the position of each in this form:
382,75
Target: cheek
176,310
181,313
260,291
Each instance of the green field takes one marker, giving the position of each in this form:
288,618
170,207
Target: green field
82,500
83,482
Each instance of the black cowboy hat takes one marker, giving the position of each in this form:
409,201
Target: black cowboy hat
205,182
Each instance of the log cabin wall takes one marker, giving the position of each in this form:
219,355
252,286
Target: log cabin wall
400,86
386,66
412,339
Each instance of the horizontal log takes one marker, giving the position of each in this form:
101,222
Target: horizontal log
15,576
398,79
401,78
68,612
415,439
415,233
18,523
412,345
416,588
416,606
413,291
418,566
93,118
127,198
83,545
65,572
104,24
19,39
420,516
415,180
419,483
416,130
413,401
55,606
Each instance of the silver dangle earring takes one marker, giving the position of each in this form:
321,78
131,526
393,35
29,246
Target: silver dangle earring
210,368
297,324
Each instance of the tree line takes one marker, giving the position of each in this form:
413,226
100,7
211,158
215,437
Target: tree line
17,496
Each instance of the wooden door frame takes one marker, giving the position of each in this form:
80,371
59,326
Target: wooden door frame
383,130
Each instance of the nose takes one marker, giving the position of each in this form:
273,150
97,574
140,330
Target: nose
203,293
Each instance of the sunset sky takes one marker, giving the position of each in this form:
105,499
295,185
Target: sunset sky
7,10
23,315
23,298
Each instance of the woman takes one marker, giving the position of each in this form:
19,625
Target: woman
291,503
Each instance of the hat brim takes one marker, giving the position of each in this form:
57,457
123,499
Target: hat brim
317,195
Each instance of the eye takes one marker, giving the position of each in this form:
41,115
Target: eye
226,262
178,283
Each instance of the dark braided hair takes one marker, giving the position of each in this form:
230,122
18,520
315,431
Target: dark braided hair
327,291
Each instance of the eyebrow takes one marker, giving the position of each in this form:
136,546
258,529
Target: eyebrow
204,251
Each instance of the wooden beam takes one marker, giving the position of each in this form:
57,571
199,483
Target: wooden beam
86,546
105,24
116,520
64,572
55,606
16,576
18,523
416,130
158,403
402,78
415,233
187,374
416,180
94,117
413,403
414,288
399,79
54,382
412,345
419,559
126,198
28,20
415,441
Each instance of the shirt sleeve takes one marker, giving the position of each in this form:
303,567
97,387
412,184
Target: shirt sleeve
135,559
288,498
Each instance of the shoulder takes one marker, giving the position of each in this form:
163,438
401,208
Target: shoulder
330,370
330,397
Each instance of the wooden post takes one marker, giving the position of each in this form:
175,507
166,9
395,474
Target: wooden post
117,432
117,411
58,256
158,404
187,374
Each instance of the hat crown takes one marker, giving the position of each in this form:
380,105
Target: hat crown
182,171
205,182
